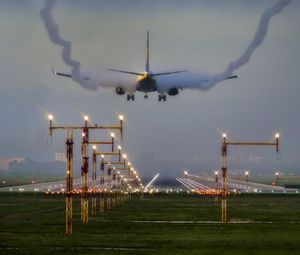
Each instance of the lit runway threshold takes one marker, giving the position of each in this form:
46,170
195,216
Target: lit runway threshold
197,187
192,182
252,187
58,186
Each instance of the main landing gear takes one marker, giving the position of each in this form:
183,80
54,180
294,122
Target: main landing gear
162,97
130,97
146,96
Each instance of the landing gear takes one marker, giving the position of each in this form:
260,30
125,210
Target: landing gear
146,96
162,97
130,97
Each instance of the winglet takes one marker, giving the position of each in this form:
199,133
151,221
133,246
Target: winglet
53,71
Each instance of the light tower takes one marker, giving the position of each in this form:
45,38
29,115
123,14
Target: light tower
69,181
102,202
216,180
84,172
224,145
94,180
108,191
246,176
84,150
112,141
276,178
185,174
224,179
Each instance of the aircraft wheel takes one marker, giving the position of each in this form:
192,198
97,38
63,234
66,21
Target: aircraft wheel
128,97
159,98
132,97
164,98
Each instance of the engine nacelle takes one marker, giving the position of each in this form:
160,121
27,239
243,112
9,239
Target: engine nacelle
120,91
173,92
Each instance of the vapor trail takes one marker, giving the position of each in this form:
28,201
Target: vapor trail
258,39
54,35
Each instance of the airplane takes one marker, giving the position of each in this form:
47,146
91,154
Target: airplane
146,81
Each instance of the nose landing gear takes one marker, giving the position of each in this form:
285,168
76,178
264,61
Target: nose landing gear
146,96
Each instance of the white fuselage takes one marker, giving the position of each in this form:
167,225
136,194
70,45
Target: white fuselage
146,83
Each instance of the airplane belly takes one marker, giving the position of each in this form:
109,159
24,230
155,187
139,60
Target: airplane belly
147,85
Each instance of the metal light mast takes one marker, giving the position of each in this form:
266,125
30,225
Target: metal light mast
69,181
224,145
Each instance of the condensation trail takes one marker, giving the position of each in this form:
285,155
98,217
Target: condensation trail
256,41
53,32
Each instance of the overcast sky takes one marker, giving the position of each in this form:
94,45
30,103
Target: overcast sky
194,35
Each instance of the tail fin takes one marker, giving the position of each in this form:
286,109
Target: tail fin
147,54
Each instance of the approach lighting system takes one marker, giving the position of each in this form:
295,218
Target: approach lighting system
225,143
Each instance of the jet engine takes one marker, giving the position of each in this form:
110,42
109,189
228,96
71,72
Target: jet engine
173,92
120,91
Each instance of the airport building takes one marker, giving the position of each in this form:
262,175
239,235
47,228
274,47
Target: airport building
6,161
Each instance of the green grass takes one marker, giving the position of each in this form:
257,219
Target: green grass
35,225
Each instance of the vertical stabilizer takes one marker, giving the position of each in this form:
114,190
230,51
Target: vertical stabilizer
147,53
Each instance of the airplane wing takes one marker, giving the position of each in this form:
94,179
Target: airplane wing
233,77
65,74
191,80
107,83
121,71
157,74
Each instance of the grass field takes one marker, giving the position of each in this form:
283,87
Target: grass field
260,224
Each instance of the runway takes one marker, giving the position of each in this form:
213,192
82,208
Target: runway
202,184
58,186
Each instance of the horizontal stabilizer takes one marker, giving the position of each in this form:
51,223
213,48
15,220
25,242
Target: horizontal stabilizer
121,71
157,74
